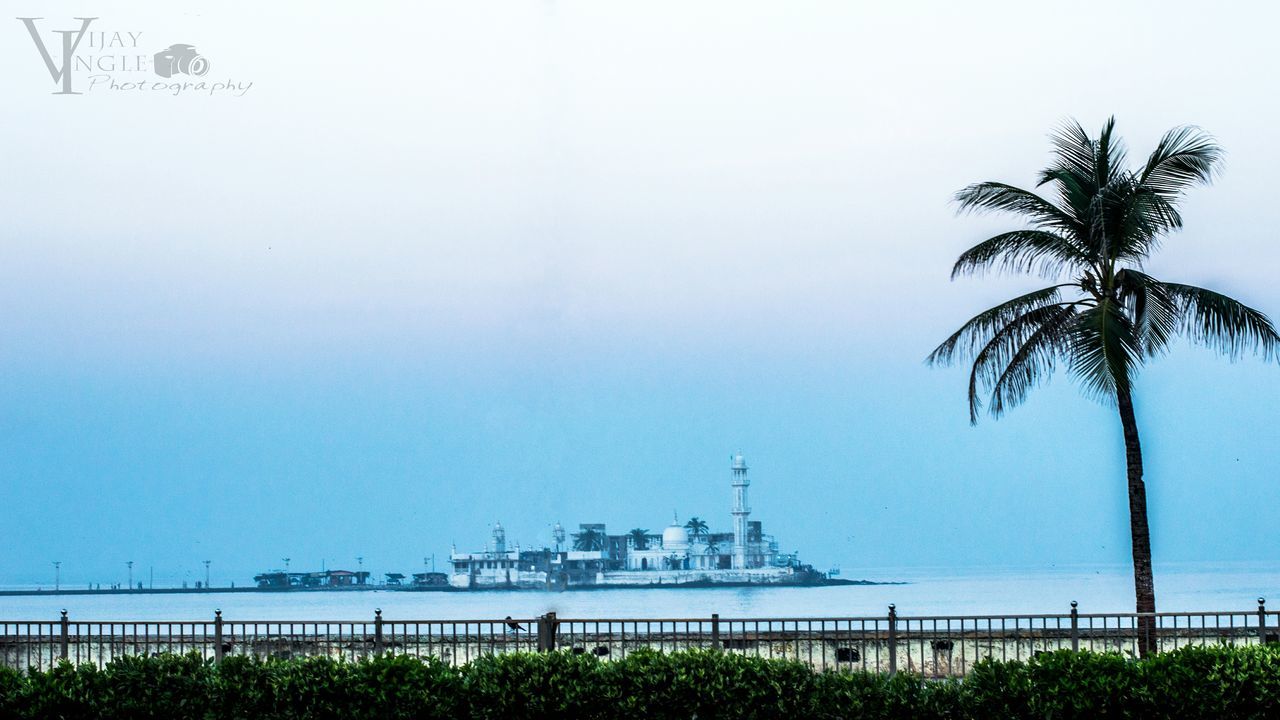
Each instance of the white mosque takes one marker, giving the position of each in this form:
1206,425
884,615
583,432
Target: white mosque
688,553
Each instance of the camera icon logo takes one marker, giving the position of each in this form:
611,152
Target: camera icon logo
181,59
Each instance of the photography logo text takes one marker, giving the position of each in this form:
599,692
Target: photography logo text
90,59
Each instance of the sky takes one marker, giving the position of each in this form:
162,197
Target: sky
446,264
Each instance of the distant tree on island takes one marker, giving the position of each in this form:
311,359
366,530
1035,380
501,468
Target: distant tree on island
697,528
589,540
1107,317
639,538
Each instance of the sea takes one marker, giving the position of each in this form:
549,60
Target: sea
1216,587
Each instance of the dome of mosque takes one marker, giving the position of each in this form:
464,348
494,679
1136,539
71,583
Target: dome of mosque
675,537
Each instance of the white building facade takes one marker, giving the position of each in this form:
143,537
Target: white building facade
688,553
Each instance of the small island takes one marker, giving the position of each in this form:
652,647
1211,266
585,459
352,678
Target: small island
683,555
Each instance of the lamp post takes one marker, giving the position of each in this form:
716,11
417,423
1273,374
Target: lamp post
57,575
129,564
206,574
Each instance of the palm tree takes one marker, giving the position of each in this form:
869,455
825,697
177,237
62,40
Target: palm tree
639,538
1105,317
589,540
713,551
697,528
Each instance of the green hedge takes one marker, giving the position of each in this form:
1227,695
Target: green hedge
1209,683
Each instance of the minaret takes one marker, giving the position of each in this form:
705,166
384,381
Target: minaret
499,539
740,512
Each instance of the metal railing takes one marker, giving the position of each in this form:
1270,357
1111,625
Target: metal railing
940,646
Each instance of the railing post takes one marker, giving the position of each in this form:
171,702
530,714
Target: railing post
715,630
66,635
377,631
547,632
1075,627
893,639
217,636
1262,621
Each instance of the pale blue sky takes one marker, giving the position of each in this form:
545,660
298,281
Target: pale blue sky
446,264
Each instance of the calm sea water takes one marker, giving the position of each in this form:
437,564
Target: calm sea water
936,591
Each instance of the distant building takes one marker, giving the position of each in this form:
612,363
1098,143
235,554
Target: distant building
272,580
430,579
280,580
680,554
337,578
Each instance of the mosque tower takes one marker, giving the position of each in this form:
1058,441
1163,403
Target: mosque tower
740,512
500,539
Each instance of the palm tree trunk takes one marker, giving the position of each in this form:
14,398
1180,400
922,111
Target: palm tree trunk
1143,581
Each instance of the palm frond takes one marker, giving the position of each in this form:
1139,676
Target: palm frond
980,329
1144,217
994,358
1034,361
1081,166
1104,349
1074,152
994,196
1110,154
1038,251
1219,322
1154,312
1075,190
1186,156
